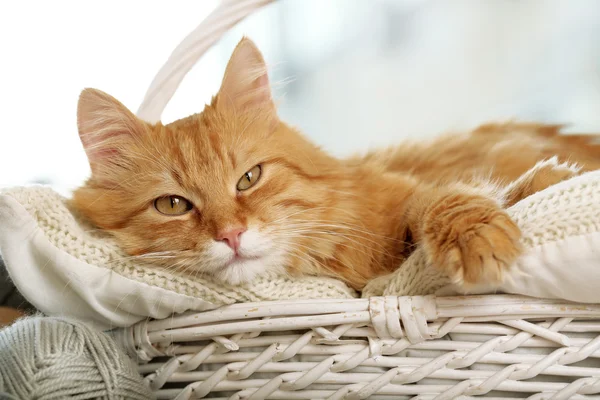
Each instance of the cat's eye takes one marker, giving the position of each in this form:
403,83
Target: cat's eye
249,179
172,205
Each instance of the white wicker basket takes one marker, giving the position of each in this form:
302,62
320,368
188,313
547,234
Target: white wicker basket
421,347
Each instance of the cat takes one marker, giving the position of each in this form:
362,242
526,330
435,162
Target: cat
234,192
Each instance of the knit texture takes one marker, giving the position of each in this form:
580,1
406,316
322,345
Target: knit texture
567,210
45,358
71,234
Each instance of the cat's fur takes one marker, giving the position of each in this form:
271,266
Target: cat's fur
309,212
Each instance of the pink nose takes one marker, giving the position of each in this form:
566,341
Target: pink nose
232,237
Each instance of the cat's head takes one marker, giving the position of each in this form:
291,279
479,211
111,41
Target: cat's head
223,192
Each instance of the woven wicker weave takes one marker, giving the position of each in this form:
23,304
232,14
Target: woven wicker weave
420,347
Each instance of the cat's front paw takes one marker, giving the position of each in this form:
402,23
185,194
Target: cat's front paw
471,238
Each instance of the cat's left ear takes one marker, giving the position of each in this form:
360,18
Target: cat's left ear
106,129
246,83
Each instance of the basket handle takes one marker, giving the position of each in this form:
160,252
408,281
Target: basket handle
188,52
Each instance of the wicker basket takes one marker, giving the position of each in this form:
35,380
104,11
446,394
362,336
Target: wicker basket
422,347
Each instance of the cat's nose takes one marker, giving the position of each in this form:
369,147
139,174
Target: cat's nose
232,237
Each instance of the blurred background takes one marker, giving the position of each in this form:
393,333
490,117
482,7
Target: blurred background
357,73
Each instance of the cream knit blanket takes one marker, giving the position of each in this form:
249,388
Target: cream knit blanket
561,237
65,230
63,266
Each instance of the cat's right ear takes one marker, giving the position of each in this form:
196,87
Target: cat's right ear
105,127
246,82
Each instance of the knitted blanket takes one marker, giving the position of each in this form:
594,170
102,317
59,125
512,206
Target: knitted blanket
64,266
561,235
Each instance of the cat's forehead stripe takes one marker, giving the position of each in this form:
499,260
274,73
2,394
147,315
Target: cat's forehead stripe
232,157
177,177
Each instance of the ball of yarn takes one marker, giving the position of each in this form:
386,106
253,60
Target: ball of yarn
58,358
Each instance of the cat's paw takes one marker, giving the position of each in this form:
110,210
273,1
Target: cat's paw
472,239
543,175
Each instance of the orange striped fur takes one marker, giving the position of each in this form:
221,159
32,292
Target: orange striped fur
310,213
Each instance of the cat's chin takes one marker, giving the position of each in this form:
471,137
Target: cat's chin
242,271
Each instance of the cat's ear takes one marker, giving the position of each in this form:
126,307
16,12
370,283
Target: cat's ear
246,83
106,127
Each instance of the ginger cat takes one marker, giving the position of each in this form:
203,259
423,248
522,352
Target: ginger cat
234,192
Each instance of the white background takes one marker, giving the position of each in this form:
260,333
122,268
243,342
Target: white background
359,72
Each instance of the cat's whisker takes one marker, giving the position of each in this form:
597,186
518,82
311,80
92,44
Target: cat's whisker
344,224
349,213
333,233
160,254
300,254
350,194
308,250
310,264
155,256
303,256
311,250
296,213
346,236
323,223
370,256
148,255
176,267
182,263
